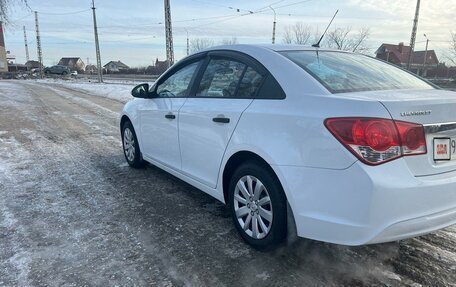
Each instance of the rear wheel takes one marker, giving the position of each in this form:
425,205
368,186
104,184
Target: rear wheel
130,146
258,206
64,73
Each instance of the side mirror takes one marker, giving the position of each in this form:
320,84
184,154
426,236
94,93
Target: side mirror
141,91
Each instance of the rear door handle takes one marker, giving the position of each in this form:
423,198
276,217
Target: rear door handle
170,116
222,120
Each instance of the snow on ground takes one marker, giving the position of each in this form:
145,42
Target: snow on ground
119,90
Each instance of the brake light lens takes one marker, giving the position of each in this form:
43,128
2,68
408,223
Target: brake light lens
375,141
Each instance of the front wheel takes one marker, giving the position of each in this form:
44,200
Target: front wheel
130,146
258,206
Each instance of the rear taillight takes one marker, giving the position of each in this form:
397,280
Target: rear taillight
376,141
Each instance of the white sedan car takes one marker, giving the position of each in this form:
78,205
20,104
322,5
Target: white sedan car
343,147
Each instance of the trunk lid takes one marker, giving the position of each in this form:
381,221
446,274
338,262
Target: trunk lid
434,109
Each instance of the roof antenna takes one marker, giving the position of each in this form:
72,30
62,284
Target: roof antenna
317,45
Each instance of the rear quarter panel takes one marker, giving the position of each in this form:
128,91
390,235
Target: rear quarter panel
292,131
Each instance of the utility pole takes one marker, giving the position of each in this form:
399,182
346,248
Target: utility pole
273,25
27,56
412,39
97,45
38,44
169,35
425,57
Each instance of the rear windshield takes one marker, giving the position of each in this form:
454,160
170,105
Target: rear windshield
344,72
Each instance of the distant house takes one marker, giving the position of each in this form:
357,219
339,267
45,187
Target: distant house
32,65
115,67
91,69
73,63
398,54
14,67
158,68
10,58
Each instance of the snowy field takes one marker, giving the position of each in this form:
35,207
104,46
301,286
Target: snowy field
72,213
113,89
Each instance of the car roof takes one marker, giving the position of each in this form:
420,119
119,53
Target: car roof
277,47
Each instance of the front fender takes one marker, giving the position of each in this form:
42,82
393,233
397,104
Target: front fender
131,111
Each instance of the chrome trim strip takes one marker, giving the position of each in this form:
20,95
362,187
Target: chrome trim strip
438,128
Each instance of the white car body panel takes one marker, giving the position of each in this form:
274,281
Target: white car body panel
197,129
334,197
159,135
361,204
296,124
217,193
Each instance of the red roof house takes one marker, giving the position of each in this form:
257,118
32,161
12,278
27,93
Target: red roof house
398,54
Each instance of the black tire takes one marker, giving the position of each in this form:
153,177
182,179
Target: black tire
64,73
278,227
136,160
47,72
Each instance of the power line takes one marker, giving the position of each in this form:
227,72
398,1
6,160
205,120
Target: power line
162,23
220,5
292,4
128,40
23,17
232,7
67,13
258,11
341,17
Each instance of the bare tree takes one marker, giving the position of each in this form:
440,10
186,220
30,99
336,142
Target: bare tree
348,40
5,7
199,44
297,34
452,53
229,41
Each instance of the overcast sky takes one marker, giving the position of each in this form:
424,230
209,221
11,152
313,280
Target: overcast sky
132,31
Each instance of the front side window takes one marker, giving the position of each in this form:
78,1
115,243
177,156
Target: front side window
221,78
343,72
177,84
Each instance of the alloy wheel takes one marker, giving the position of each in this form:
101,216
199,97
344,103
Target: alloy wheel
129,144
253,207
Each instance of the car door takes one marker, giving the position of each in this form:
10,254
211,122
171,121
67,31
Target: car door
159,116
224,89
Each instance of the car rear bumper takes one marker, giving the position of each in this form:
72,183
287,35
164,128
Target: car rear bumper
368,204
416,226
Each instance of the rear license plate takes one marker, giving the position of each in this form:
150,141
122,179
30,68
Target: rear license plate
444,149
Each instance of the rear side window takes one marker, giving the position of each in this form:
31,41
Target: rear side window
220,79
344,72
249,85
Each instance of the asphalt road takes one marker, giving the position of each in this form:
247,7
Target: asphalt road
72,213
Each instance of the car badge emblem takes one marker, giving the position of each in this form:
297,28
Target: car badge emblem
416,113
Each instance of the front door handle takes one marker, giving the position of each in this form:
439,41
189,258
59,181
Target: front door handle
222,120
170,116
